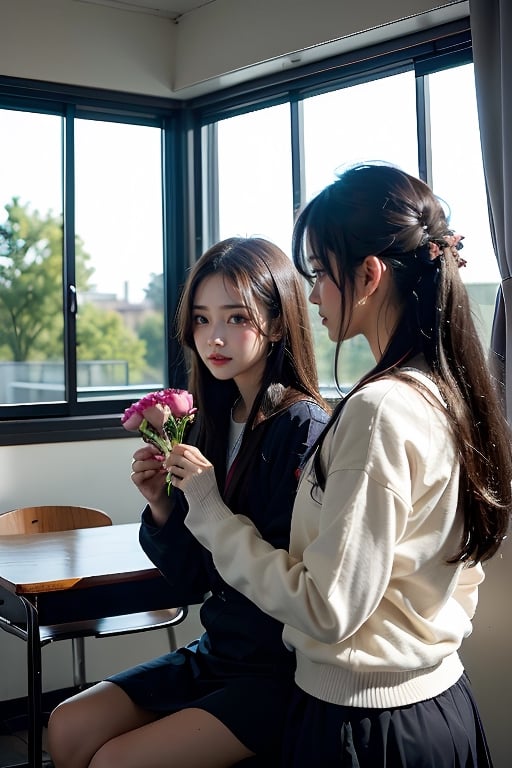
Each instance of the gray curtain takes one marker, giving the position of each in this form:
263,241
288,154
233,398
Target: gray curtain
491,31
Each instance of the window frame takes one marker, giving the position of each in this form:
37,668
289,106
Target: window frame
190,220
91,420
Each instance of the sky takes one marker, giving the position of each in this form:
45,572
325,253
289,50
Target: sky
117,181
370,121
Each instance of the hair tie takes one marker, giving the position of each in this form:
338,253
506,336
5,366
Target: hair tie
448,244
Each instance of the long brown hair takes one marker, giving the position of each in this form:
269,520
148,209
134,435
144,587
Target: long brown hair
264,276
377,209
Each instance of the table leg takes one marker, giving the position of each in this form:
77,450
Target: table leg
35,728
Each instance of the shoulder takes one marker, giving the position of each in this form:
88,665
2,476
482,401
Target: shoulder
302,420
308,409
301,412
396,397
297,424
392,414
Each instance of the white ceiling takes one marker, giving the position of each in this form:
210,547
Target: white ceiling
172,9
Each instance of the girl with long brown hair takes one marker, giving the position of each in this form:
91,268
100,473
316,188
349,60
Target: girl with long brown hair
406,494
244,322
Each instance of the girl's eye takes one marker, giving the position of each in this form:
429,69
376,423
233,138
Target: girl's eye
200,320
317,269
238,319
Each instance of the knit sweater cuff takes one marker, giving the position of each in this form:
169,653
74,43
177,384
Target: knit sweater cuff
204,500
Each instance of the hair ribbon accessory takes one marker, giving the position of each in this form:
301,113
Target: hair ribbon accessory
449,244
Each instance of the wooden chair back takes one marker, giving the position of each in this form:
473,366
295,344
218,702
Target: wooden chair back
47,519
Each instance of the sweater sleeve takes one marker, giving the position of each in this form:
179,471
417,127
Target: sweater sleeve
329,587
302,592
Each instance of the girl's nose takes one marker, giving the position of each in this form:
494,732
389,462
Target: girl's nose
215,341
313,298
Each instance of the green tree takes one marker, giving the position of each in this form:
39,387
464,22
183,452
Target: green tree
151,331
31,314
102,335
155,291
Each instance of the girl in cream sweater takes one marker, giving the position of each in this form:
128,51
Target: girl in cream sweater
406,493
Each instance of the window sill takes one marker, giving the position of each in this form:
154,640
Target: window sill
62,430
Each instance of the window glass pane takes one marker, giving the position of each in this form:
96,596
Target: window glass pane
343,127
119,259
255,176
357,124
31,305
458,178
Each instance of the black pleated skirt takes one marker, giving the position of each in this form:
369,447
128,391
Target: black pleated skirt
443,732
252,700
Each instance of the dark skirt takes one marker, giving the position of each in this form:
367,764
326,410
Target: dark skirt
250,699
443,732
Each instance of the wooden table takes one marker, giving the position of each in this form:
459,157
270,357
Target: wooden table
71,577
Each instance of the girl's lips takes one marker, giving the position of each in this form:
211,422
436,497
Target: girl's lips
219,360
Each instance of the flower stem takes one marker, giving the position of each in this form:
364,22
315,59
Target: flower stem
150,435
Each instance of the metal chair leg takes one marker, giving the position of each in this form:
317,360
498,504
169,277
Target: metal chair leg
79,676
172,638
35,726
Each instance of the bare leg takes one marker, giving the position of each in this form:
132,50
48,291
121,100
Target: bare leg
102,728
82,724
191,738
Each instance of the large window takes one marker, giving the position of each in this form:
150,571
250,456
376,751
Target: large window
254,173
31,248
119,258
343,127
106,199
84,233
457,177
399,117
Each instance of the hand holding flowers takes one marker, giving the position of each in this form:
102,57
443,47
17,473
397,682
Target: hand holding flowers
161,419
183,462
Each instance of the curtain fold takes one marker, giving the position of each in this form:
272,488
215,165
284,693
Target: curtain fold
491,31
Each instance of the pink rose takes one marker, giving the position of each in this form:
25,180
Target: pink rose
157,407
179,401
133,416
161,419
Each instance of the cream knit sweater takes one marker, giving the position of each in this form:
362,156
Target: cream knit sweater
371,607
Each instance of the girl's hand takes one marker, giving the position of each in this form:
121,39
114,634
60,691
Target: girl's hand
183,462
148,473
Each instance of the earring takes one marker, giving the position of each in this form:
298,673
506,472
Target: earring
271,349
361,302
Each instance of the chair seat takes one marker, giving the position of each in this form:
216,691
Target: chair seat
113,625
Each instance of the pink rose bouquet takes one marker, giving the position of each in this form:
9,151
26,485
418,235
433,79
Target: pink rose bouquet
161,419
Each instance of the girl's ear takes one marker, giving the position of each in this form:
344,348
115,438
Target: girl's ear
276,330
373,270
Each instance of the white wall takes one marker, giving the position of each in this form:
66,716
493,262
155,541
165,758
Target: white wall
230,41
223,42
63,41
486,655
95,474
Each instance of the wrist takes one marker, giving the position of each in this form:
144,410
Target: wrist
159,513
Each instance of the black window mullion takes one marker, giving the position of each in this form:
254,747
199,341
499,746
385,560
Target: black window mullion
69,265
423,129
206,185
176,245
297,146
